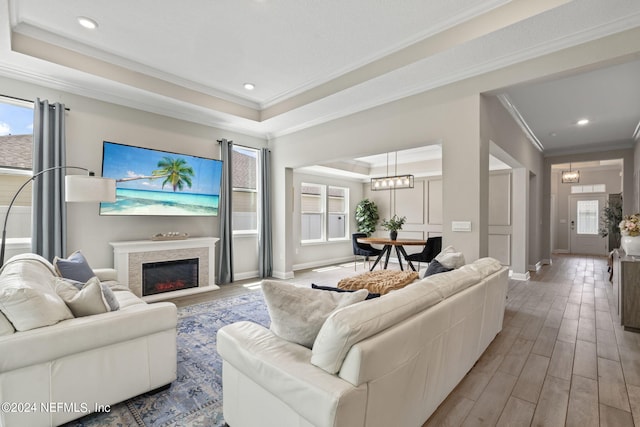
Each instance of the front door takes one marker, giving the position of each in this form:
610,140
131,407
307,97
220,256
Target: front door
584,225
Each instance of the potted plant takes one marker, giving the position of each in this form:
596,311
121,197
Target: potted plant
393,224
610,222
367,216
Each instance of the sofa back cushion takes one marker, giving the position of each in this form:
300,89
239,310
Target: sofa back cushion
27,297
352,324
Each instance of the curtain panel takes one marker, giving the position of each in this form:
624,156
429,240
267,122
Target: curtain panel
225,258
49,223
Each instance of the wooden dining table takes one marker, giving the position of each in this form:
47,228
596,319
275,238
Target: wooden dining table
387,243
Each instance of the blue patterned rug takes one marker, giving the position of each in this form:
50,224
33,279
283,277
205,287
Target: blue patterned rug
195,398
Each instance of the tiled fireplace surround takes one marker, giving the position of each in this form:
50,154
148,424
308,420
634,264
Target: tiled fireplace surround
128,257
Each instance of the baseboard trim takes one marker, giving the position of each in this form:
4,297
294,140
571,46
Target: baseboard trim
520,276
324,262
246,275
284,275
536,267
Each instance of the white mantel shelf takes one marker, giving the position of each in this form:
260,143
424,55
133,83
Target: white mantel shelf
126,261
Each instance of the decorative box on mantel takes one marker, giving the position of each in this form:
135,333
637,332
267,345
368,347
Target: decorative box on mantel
129,258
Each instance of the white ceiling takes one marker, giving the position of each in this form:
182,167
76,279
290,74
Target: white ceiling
316,61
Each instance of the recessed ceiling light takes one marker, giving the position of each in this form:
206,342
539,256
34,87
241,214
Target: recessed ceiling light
87,22
582,122
249,86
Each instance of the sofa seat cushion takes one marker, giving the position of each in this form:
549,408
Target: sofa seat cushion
27,296
352,324
379,281
126,298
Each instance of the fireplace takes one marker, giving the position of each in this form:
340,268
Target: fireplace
167,276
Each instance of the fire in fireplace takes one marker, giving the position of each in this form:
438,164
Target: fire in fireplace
166,276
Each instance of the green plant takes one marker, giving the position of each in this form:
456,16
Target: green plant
394,223
367,216
611,220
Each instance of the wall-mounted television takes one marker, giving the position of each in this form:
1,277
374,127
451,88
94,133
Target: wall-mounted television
160,183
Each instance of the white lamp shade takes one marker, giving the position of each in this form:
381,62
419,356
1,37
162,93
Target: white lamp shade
84,188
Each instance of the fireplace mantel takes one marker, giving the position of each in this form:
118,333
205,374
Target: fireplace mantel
128,257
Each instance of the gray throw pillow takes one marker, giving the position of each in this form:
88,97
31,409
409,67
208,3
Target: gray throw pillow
85,302
434,268
75,267
298,313
107,293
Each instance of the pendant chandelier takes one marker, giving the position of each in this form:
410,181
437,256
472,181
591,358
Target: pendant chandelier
570,176
390,182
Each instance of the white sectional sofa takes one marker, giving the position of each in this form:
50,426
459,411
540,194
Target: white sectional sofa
384,362
53,374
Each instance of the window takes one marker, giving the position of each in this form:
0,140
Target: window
312,207
245,189
595,188
16,142
337,212
587,216
324,213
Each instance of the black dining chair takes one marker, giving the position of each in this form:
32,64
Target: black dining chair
431,249
362,249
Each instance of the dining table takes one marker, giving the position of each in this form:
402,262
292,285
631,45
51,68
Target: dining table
388,244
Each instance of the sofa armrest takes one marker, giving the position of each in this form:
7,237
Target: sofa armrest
72,336
284,369
106,274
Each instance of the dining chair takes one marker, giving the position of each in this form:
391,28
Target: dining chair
431,249
362,249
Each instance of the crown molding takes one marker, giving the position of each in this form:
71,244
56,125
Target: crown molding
508,105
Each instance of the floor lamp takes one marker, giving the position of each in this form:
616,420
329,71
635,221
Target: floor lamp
78,188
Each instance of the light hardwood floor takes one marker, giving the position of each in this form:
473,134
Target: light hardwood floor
562,357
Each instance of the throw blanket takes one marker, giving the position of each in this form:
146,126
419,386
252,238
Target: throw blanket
379,281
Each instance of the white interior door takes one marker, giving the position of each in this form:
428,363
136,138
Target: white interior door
584,223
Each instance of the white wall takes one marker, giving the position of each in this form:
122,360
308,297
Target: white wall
611,178
412,122
421,205
89,122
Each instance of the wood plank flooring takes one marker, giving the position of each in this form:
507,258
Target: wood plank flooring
562,357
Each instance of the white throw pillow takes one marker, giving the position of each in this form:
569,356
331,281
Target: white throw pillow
26,296
450,258
298,313
85,302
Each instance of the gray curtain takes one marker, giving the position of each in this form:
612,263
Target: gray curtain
225,259
48,230
265,263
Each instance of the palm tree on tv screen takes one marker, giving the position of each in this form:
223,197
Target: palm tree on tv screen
177,172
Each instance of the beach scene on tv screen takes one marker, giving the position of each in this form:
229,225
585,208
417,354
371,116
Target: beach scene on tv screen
152,182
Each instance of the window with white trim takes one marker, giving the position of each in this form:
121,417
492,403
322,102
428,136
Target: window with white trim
324,213
594,188
587,217
245,199
16,149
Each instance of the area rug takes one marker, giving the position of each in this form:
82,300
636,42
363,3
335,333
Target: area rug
195,398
